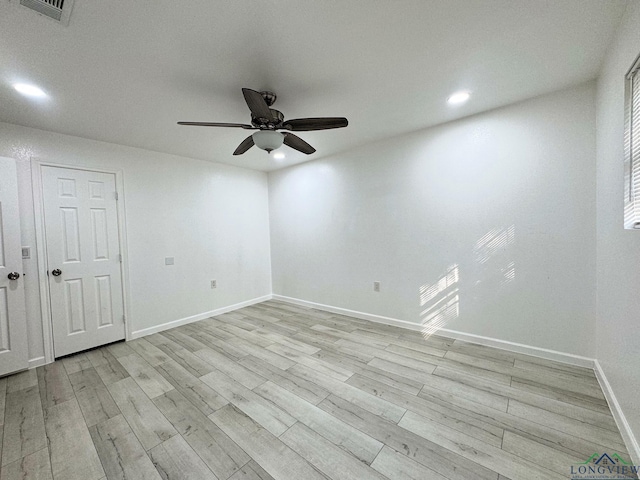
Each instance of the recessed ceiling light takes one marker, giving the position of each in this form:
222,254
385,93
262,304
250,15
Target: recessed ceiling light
458,98
29,90
278,156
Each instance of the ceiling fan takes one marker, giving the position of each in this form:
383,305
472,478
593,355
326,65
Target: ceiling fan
268,121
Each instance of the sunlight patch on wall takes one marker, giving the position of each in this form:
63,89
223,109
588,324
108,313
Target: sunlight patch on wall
493,242
492,252
440,302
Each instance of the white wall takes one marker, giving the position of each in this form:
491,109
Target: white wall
618,250
508,193
212,218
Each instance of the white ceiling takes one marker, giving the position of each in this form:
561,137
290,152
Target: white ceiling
126,72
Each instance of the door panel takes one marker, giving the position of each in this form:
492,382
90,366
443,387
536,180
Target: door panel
81,226
13,329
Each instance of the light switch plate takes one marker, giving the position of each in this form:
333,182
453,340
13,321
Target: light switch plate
168,260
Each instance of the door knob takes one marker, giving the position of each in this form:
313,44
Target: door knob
57,272
13,276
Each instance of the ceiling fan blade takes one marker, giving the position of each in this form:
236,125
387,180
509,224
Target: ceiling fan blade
218,124
297,143
308,124
246,144
256,104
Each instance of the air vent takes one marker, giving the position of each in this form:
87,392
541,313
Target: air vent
59,10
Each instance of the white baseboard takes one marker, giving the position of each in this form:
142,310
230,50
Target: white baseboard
36,362
625,429
195,318
467,337
350,313
539,352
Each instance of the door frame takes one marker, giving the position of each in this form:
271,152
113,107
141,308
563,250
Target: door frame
41,247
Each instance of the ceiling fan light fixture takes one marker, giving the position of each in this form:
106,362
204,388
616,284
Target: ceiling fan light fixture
268,139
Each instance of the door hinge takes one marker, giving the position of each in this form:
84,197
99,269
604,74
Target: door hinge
116,195
124,318
120,257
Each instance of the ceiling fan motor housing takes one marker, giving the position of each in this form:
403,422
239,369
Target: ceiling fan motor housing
268,124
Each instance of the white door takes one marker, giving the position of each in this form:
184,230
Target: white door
13,327
83,258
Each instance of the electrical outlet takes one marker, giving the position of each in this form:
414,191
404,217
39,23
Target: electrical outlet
376,286
214,284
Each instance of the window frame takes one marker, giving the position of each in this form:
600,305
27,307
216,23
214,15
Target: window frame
631,164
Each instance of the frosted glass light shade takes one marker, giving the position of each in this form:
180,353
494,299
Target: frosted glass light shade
268,139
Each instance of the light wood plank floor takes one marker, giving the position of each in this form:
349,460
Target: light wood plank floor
286,392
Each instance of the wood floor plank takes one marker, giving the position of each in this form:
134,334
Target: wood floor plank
112,371
482,397
367,401
22,380
24,431
266,355
122,455
187,360
531,363
568,406
425,452
608,439
233,369
152,354
398,466
99,356
420,376
267,450
185,337
221,454
146,421
75,363
224,347
522,426
97,405
560,393
305,389
251,471
477,428
175,460
288,342
35,466
360,445
120,349
486,455
535,452
297,357
54,384
147,378
266,413
331,460
87,378
73,454
197,392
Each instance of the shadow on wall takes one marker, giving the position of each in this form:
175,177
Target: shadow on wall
485,277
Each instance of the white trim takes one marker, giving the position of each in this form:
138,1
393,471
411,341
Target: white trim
488,341
41,247
621,421
36,362
351,313
539,352
195,318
